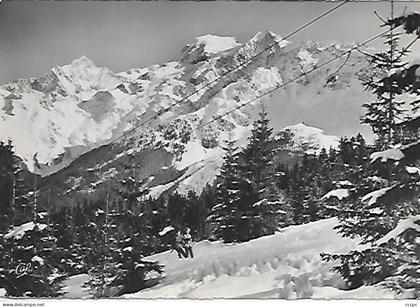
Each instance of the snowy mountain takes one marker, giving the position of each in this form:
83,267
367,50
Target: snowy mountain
73,117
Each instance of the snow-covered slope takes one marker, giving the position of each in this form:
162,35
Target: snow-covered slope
284,265
211,44
310,139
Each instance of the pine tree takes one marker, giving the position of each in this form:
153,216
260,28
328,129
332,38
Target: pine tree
129,237
160,220
224,214
361,151
374,209
209,199
308,181
106,267
130,189
8,169
29,266
131,211
277,200
402,241
385,209
22,198
257,211
384,113
176,210
195,214
309,171
28,262
67,253
125,226
88,234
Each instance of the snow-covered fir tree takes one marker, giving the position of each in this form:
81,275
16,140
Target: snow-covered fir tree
194,215
69,254
126,236
224,214
8,185
257,207
29,265
384,209
385,112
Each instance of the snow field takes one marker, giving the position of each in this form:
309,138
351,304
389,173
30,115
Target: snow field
313,136
284,265
73,287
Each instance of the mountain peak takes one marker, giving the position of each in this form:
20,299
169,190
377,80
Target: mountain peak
214,44
82,78
207,46
79,66
268,37
82,61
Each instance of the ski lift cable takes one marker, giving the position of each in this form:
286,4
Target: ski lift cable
345,53
401,53
366,42
294,79
357,48
236,68
405,49
341,66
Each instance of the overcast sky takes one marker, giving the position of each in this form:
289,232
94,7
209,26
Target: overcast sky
35,36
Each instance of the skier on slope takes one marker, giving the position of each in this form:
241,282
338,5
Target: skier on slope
172,238
179,245
187,243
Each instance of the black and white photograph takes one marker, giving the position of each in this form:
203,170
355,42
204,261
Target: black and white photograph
209,150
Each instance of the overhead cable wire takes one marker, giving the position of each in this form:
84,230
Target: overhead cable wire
236,68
